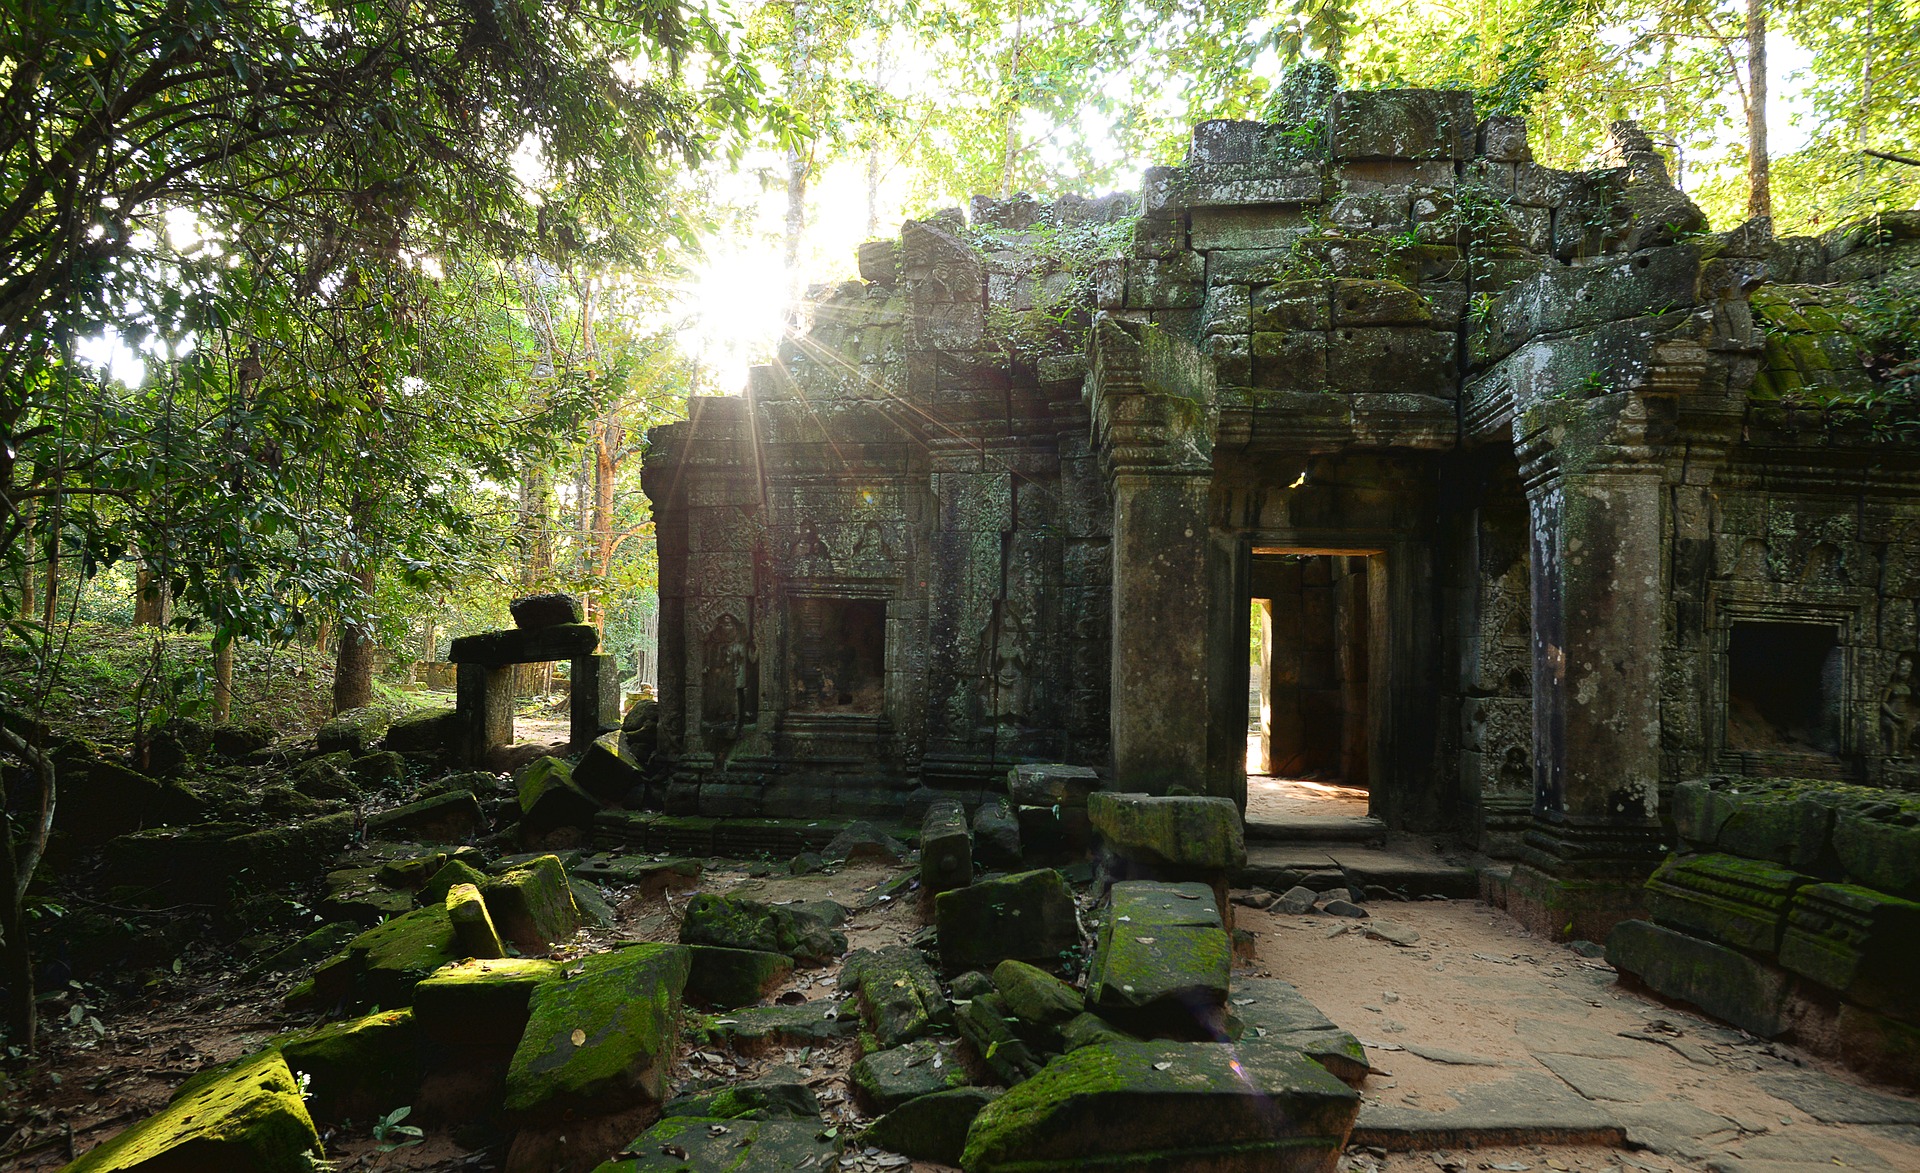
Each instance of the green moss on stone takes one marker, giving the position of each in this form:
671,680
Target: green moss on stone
601,1040
250,1120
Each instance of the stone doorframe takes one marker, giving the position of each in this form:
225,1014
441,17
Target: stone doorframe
483,685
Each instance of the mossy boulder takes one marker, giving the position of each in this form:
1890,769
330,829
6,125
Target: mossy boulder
931,1128
994,1033
473,929
250,1119
429,731
755,1029
532,905
359,1068
1175,831
359,894
384,770
898,993
326,776
238,739
781,1093
380,966
1027,917
1035,996
1168,1106
321,943
728,978
480,1000
550,800
887,1079
702,1144
1090,1030
602,1040
443,818
443,878
802,932
1271,1012
356,731
101,799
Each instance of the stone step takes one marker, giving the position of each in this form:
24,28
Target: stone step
1320,866
1529,1108
1316,829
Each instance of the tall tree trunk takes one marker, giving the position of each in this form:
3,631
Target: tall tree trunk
223,680
797,168
606,443
152,601
1759,183
536,542
27,512
353,662
19,857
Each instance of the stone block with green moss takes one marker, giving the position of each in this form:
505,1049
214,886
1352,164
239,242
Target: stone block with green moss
1737,902
887,1079
603,1039
1027,917
739,923
550,799
443,818
380,966
759,1028
473,928
1162,960
781,1093
1269,1012
360,1068
250,1119
1726,983
898,993
532,905
932,1127
1179,831
700,1144
1862,943
480,1000
1167,1106
441,881
729,978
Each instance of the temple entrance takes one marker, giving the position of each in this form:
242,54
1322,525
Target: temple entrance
1311,619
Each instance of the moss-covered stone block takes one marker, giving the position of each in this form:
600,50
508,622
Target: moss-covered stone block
473,929
550,799
994,1033
602,1040
442,880
1026,917
355,732
1171,1106
1179,831
609,768
1271,1012
1162,960
898,993
359,1068
801,933
1737,902
729,978
1728,984
1862,943
701,1144
358,894
1036,996
251,1119
480,1000
933,1127
443,818
1878,844
380,966
532,905
887,1079
781,1093
754,1029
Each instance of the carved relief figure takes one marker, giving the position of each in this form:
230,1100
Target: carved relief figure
728,670
1899,708
1003,668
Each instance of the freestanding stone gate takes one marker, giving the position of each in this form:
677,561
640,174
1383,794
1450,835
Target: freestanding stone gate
483,685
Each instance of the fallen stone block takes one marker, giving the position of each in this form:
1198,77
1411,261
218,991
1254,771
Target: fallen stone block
1026,917
442,881
1737,902
701,1144
996,835
1035,996
796,930
608,769
1725,983
249,1119
382,965
384,770
534,612
946,848
603,1040
442,818
887,1079
473,930
1295,900
550,801
1177,1107
1091,1030
1174,831
754,1029
1047,784
428,732
994,1033
358,894
780,1094
933,1127
1162,961
532,905
728,978
1275,1013
356,1069
862,841
1876,851
1860,942
650,875
356,731
898,993
480,1002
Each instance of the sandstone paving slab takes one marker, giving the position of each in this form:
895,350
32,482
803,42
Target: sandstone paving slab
1830,1101
1824,1148
1670,1128
1565,1038
1454,1058
1529,1108
1597,1079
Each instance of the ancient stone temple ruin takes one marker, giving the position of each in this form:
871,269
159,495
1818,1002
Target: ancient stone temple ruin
1550,500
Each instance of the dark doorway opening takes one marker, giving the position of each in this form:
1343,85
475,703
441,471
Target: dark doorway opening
1784,687
839,657
1310,666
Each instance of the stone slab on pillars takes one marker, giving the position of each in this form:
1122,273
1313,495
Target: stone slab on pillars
565,641
1160,627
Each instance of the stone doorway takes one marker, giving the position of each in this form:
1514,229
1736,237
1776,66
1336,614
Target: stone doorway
1311,618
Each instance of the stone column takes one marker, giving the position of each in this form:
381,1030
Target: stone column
1595,498
1161,617
483,696
594,703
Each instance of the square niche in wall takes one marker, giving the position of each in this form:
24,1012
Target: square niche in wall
1786,687
839,658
